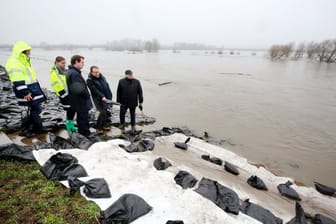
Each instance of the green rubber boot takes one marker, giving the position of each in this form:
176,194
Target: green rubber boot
70,126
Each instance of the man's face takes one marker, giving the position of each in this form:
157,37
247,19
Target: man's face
129,76
95,72
80,64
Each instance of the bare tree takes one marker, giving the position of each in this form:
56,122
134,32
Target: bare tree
326,51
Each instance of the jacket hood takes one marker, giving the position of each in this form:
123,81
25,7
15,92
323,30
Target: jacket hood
19,47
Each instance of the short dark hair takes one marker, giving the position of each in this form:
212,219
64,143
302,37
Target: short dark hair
76,58
93,67
59,59
128,72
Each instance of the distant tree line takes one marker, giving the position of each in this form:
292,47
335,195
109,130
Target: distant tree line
324,51
133,45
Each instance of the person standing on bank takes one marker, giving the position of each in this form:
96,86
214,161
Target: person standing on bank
58,83
129,94
79,95
26,88
100,91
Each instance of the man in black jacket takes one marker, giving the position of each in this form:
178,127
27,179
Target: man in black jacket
100,91
80,100
129,94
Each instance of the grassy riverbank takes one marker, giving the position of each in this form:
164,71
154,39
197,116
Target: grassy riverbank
26,196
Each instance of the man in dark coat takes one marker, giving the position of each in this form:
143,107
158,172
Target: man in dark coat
100,91
129,94
80,100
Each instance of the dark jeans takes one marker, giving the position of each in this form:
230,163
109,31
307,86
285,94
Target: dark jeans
123,110
83,123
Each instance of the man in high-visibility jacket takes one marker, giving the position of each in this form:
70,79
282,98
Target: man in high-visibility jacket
26,88
59,85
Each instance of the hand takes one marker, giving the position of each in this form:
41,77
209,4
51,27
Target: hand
104,99
140,106
28,97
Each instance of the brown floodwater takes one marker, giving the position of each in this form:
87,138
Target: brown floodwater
280,114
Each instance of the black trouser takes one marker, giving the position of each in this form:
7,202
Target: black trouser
70,114
123,110
33,118
83,123
101,121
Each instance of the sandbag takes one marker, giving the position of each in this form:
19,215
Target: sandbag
222,196
321,219
174,222
259,213
216,161
14,151
145,145
125,210
130,148
97,188
185,179
80,141
323,189
229,167
205,157
161,163
59,142
182,145
257,183
288,192
74,170
299,215
62,165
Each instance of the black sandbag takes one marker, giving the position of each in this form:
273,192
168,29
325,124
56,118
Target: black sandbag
74,170
43,145
174,222
321,219
288,192
216,161
256,182
14,151
300,217
161,163
323,189
59,142
125,210
74,184
185,179
80,141
229,167
97,188
145,145
130,148
62,165
205,157
223,197
259,213
182,145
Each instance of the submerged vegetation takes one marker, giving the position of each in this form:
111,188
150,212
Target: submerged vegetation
324,51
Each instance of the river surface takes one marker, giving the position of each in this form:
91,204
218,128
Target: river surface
280,114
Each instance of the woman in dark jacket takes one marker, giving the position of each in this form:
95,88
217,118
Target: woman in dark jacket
100,91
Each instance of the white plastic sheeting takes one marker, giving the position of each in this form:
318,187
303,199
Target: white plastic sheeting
134,173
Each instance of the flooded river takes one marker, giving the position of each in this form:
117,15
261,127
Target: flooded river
280,114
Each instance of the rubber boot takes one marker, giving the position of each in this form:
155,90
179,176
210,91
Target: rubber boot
70,126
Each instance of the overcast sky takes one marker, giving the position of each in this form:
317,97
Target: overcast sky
235,23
